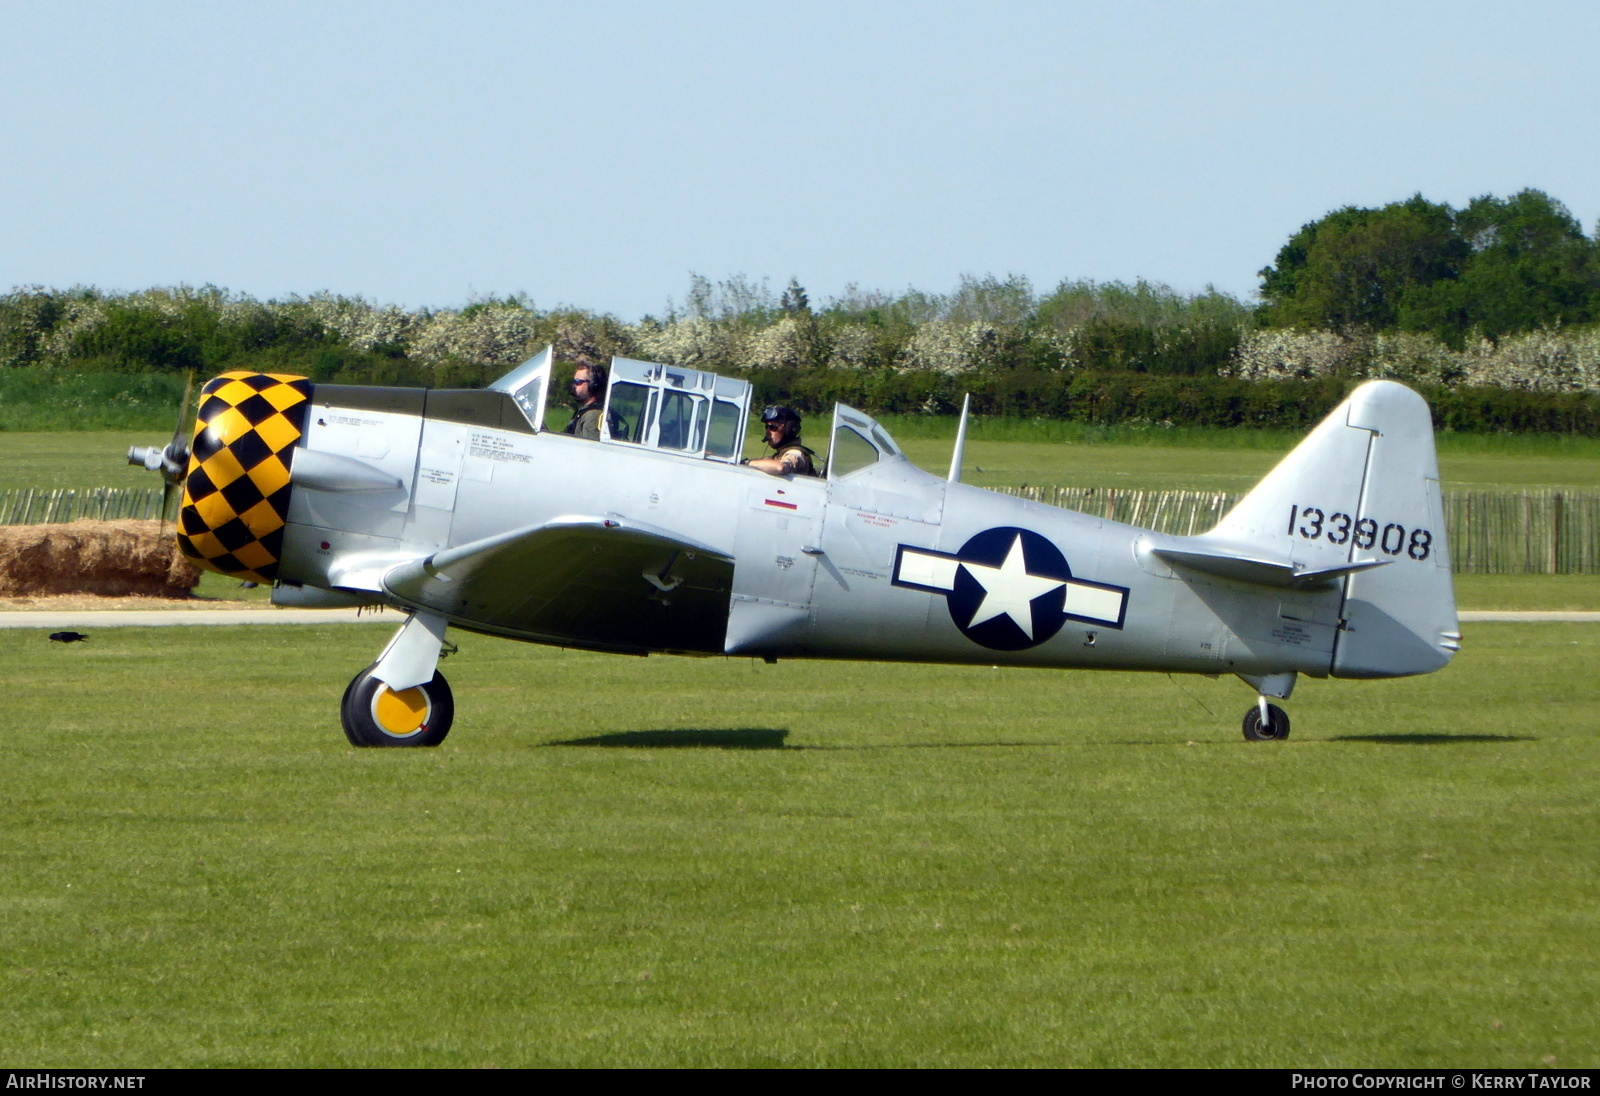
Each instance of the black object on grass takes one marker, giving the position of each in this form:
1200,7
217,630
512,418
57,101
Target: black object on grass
67,637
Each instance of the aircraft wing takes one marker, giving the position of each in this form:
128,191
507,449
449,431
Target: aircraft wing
605,583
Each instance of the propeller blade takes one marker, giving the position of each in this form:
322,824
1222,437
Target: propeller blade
177,450
175,462
183,408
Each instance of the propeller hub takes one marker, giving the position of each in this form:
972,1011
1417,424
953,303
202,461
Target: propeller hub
172,462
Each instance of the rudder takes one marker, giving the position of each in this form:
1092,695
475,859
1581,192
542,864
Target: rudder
1400,619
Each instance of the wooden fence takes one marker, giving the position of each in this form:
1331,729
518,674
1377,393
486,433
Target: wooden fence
1524,532
43,506
1540,532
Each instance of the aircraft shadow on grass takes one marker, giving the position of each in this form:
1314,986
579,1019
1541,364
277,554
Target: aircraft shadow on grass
772,738
725,738
1430,739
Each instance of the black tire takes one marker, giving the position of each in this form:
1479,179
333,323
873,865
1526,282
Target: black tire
416,717
1276,730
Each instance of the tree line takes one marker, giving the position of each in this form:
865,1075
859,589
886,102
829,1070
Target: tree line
1499,267
1499,301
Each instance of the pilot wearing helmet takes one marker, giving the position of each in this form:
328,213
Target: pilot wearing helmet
789,457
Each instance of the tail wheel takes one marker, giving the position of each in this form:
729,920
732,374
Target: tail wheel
1275,729
375,715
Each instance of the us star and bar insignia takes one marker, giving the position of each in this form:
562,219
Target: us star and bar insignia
1009,589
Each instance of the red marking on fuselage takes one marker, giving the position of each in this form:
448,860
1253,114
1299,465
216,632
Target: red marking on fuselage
782,505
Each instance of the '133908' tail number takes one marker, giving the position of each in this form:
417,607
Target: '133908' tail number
1313,524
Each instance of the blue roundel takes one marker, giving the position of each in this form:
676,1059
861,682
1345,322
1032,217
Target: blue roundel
1009,591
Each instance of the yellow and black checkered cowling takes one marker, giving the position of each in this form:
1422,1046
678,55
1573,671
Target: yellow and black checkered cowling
236,493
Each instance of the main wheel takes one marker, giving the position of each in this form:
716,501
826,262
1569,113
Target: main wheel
1277,727
375,715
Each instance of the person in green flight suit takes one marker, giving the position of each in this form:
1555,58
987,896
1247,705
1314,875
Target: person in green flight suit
589,398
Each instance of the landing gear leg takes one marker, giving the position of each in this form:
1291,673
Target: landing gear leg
402,699
1266,722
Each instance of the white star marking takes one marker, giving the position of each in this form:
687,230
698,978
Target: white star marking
1009,590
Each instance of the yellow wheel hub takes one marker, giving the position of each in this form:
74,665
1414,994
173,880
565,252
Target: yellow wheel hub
402,713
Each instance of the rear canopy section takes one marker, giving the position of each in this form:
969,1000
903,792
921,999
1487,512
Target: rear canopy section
680,410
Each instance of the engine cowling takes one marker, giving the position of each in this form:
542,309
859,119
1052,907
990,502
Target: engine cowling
236,489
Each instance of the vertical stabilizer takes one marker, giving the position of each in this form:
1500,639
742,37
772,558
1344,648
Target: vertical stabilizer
1363,486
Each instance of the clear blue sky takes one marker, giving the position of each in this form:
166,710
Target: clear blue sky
596,153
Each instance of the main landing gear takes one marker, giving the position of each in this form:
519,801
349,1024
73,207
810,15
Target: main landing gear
402,699
373,714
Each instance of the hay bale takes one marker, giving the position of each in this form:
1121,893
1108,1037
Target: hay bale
108,558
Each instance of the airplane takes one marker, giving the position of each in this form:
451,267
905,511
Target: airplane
461,509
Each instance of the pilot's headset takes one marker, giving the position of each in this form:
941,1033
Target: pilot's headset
787,416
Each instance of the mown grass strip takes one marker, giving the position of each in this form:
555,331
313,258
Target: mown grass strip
675,861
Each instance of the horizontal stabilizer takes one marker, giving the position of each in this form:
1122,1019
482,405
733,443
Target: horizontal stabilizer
1263,572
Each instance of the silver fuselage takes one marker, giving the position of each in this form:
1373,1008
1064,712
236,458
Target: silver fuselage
815,559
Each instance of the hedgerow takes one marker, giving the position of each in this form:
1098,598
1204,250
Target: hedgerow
1091,352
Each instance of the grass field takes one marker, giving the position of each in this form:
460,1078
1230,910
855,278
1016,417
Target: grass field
1008,452
1216,468
674,861
1528,592
1210,462
68,458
